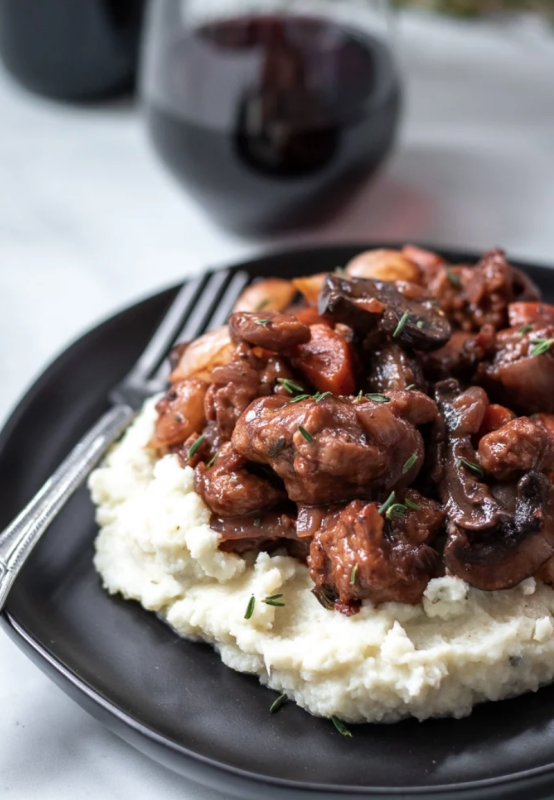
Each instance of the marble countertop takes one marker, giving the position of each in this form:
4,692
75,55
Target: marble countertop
89,221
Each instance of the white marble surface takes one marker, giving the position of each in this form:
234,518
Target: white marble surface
89,221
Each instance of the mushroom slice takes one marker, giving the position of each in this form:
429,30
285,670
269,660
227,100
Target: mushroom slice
517,549
496,536
409,316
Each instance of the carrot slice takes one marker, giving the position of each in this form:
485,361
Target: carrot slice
309,316
495,417
326,361
521,314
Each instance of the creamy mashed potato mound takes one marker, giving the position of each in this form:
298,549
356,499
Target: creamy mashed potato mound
459,647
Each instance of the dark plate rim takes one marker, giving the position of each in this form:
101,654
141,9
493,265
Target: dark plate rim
18,631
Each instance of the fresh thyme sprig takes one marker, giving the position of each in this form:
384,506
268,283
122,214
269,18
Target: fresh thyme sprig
409,463
401,325
306,434
541,346
452,277
195,447
471,465
387,504
340,726
250,608
273,600
278,703
291,386
378,398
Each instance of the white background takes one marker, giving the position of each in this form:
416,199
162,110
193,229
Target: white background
89,221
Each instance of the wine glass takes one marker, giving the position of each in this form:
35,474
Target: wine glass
270,112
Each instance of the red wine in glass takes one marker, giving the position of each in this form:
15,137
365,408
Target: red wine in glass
270,121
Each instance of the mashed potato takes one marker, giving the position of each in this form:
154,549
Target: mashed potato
457,648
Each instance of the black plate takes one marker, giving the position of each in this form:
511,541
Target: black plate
173,699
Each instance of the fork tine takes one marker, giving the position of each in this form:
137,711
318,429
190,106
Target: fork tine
164,337
196,322
220,313
220,316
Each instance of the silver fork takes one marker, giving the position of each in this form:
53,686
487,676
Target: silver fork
201,305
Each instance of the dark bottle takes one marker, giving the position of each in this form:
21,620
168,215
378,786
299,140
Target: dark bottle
270,120
72,49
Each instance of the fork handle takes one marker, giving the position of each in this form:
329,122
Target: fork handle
19,538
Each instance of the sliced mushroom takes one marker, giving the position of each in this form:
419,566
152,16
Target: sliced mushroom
517,549
393,369
409,316
269,330
500,535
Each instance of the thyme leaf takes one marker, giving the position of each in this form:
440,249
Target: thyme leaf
250,607
278,703
471,465
291,386
277,447
195,447
541,346
340,726
410,504
409,463
306,434
387,504
378,398
401,325
452,277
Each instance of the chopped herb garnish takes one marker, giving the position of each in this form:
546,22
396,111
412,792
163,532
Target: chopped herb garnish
290,386
541,346
277,447
378,398
273,600
319,397
278,703
262,304
387,504
410,387
257,522
475,468
452,277
396,511
341,727
306,434
195,447
420,323
179,418
263,322
353,575
250,607
299,397
324,598
410,504
360,396
525,329
409,463
401,325
213,459
340,271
